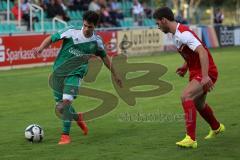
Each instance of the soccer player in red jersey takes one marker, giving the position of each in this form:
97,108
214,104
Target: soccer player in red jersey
203,74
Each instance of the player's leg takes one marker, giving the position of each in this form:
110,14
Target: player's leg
59,110
72,84
67,113
63,109
191,92
70,114
57,84
207,113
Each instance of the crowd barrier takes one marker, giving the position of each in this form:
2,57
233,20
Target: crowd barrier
16,50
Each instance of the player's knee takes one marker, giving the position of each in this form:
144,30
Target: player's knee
199,106
186,96
59,107
67,99
67,102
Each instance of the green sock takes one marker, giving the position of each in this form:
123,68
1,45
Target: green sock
73,113
67,119
69,113
66,127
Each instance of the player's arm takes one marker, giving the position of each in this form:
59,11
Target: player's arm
106,60
108,64
195,45
181,71
185,65
47,41
204,61
62,34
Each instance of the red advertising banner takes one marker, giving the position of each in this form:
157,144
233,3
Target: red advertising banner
17,50
110,41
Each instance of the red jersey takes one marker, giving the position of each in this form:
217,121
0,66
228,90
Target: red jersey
186,42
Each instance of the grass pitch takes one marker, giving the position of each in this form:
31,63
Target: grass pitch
26,98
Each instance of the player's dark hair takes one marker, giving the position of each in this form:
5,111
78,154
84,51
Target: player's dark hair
91,17
164,12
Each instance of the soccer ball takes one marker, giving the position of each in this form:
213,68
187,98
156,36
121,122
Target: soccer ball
34,133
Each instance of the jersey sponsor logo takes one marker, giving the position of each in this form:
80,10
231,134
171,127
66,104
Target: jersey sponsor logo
75,52
92,46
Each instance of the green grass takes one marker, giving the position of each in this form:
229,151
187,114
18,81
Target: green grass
25,98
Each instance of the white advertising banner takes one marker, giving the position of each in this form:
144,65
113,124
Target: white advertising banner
237,36
140,41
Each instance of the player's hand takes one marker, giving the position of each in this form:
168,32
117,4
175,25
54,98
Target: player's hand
36,51
207,84
118,80
181,71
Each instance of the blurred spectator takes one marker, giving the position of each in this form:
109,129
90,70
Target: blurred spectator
147,10
81,5
94,6
64,7
55,9
37,2
102,3
75,5
105,19
115,9
85,4
26,13
25,10
51,11
218,16
44,3
15,10
180,19
137,12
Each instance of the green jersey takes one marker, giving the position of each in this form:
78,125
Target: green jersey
76,49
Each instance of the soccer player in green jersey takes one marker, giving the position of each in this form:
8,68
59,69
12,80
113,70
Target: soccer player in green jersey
79,44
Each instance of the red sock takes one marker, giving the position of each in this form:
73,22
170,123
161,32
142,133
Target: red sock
190,118
208,115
